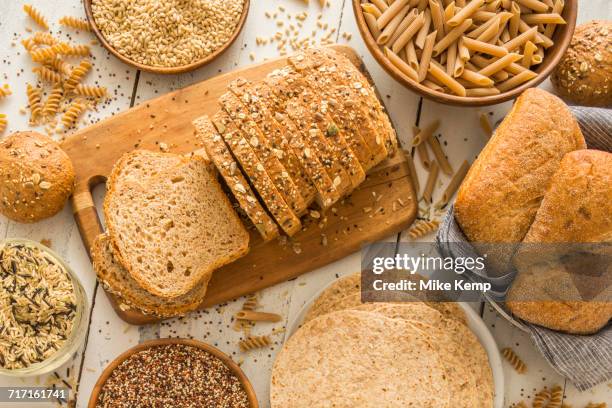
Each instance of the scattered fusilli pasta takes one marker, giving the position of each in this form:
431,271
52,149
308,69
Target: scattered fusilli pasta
5,91
90,91
556,397
250,303
521,404
254,342
76,23
76,50
597,405
42,54
29,44
53,101
73,112
541,398
59,65
514,360
77,74
3,123
47,74
36,16
34,97
42,38
422,227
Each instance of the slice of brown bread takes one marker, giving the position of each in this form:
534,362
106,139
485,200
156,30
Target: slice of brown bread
348,106
140,165
118,281
174,229
351,76
220,155
327,194
249,94
259,144
256,173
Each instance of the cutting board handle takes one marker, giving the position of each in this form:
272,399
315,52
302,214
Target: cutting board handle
85,214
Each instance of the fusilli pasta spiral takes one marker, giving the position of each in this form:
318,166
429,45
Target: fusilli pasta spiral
90,91
59,65
53,101
75,23
422,227
250,303
34,97
541,398
29,44
254,342
597,405
556,397
5,91
76,50
47,74
42,54
36,16
3,123
77,74
73,112
42,38
514,360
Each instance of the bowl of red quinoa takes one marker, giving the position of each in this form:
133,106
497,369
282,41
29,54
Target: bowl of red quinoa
173,373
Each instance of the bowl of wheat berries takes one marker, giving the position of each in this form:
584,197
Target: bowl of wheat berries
173,373
166,36
467,52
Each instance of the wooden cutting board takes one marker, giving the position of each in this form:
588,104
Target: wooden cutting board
385,204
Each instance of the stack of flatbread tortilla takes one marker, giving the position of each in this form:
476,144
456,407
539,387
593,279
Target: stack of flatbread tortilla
413,354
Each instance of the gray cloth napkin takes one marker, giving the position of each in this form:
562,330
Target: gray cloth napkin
585,360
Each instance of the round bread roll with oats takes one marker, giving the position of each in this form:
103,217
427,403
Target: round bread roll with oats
36,177
584,75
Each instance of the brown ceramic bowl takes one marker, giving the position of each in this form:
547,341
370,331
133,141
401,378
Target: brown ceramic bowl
167,70
246,384
562,37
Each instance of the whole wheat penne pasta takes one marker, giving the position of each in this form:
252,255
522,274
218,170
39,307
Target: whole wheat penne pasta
481,62
538,57
381,4
422,152
432,178
476,78
537,18
390,13
413,3
408,19
463,52
422,4
257,316
518,41
483,15
493,5
505,36
413,173
549,3
432,85
484,47
451,37
372,9
535,5
454,184
528,51
460,3
465,13
441,158
540,39
424,134
451,57
491,31
411,56
484,26
446,79
459,67
422,34
506,4
372,25
410,32
449,12
391,28
499,64
402,65
557,8
515,68
437,18
516,80
482,92
513,26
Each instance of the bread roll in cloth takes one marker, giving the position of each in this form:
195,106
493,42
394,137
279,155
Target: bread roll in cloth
576,208
501,193
36,177
358,359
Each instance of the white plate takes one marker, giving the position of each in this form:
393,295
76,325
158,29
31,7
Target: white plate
475,323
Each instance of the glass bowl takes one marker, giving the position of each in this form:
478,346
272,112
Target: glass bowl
79,328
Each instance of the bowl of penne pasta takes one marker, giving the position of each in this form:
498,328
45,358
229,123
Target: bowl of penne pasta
467,52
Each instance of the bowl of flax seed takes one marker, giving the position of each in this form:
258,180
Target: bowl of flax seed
173,373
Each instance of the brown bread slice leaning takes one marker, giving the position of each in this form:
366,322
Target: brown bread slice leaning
348,107
118,281
577,207
327,194
220,155
503,189
175,229
256,174
349,75
262,149
250,95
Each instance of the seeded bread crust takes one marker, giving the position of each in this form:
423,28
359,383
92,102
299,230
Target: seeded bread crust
352,77
249,93
218,152
345,106
262,149
256,173
117,280
314,168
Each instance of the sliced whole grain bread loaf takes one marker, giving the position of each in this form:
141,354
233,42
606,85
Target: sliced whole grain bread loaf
118,281
173,229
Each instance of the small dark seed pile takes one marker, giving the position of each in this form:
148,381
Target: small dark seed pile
172,376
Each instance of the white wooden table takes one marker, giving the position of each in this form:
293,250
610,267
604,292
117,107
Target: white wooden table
109,335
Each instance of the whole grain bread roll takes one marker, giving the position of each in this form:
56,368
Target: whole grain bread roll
584,75
576,208
501,193
36,177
